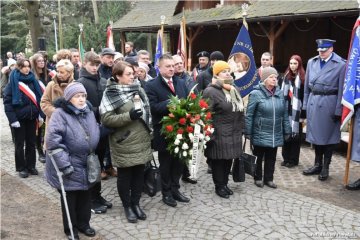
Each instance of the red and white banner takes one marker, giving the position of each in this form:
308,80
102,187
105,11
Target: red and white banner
182,42
110,38
28,92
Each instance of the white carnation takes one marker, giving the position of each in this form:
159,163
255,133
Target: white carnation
207,138
179,136
191,137
177,141
184,153
176,150
201,136
185,146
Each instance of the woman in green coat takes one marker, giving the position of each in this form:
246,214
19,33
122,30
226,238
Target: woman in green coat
267,124
125,108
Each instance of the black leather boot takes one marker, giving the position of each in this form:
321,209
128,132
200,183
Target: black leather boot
139,212
316,169
324,174
130,215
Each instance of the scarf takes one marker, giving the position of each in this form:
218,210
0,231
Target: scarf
291,90
231,95
15,77
116,95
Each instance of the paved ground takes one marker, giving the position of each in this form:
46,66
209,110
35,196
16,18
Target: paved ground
301,208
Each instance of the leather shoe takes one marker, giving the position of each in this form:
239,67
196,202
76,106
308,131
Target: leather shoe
353,186
209,170
130,215
228,190
283,163
221,192
189,180
179,197
90,232
42,159
98,208
312,170
259,183
324,174
271,184
169,200
290,165
103,201
24,173
33,171
139,212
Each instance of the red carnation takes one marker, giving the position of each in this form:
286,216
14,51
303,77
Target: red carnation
180,131
189,129
193,120
197,117
182,121
203,103
169,128
171,115
188,115
208,116
192,96
207,133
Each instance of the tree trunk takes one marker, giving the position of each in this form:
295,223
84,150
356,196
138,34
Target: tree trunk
34,22
96,13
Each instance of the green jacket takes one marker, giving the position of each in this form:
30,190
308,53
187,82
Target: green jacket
130,144
266,118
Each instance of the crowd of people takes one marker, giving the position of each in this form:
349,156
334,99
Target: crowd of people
112,105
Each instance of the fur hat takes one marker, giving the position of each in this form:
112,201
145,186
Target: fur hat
266,72
219,66
72,89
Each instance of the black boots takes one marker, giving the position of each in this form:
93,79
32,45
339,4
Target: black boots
316,169
221,192
324,174
139,212
130,215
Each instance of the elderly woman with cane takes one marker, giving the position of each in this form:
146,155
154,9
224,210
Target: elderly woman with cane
72,134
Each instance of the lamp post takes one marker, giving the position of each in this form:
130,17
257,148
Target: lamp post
60,25
55,32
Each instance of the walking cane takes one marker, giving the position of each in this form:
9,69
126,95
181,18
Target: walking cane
60,174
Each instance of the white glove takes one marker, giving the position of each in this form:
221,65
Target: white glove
15,124
41,121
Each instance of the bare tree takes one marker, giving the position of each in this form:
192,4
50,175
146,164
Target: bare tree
96,13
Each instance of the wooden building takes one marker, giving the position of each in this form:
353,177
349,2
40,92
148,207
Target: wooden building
281,27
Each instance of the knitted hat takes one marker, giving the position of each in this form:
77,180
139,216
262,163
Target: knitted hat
266,72
72,89
217,55
144,66
11,62
219,66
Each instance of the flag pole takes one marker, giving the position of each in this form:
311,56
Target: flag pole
349,148
162,22
245,8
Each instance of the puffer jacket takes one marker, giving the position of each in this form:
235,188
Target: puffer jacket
66,138
130,143
266,118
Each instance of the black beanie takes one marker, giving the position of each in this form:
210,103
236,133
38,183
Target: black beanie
217,55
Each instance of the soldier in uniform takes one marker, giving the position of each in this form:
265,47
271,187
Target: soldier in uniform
324,81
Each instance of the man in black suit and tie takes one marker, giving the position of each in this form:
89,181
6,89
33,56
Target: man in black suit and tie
159,91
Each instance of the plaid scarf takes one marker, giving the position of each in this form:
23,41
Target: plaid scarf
231,95
116,95
291,91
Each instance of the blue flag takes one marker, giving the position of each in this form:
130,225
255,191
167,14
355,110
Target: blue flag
351,92
159,51
242,62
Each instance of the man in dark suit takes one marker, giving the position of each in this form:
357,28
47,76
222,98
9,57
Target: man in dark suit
159,91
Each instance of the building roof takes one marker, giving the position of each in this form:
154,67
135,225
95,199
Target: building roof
145,16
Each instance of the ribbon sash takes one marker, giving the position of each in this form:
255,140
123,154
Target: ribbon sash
194,162
28,92
42,86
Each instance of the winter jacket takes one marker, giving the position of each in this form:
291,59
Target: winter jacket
204,79
226,140
267,118
95,86
66,137
130,143
105,71
27,110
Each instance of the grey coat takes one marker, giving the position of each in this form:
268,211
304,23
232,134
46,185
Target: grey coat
321,128
65,133
226,140
267,119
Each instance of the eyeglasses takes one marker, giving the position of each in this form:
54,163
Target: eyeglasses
39,61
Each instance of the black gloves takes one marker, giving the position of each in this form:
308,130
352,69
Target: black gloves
336,118
295,136
135,114
68,170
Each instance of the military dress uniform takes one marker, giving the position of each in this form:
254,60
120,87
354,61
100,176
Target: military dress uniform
323,90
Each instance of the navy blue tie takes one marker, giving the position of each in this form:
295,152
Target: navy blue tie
322,63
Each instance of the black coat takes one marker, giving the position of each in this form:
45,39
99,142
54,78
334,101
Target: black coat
95,86
105,71
159,94
204,79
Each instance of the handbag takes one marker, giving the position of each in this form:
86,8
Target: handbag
238,171
249,161
152,178
93,167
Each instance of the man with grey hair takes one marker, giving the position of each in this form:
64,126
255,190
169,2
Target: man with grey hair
144,56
